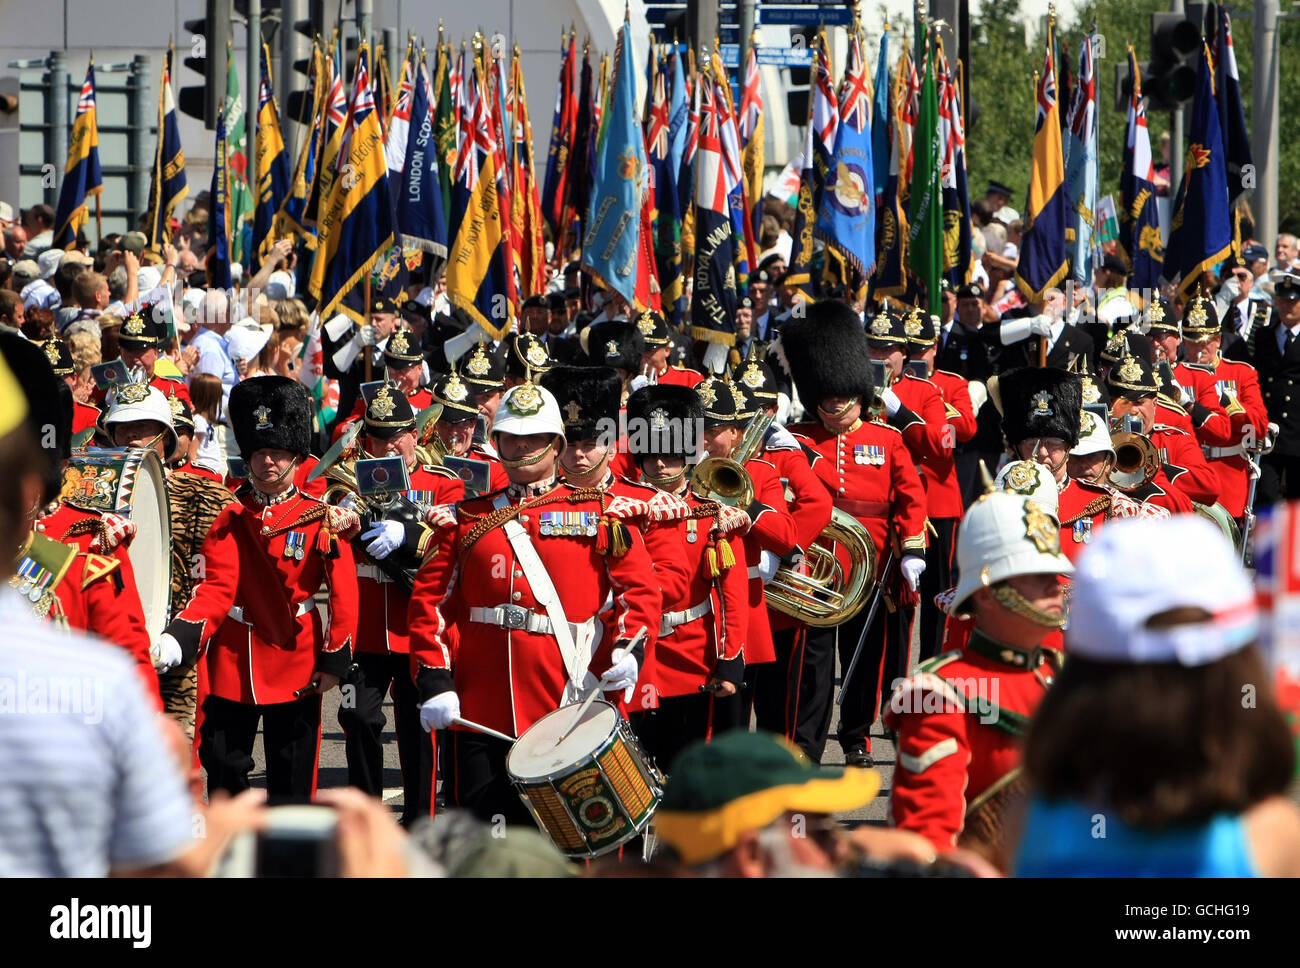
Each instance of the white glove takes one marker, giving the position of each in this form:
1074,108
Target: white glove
1040,326
912,566
768,563
365,336
715,357
438,712
780,439
979,395
349,501
639,381
890,399
385,537
622,674
1185,396
166,653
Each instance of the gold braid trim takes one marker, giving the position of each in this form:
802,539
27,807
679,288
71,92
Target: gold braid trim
313,513
94,526
1100,503
483,523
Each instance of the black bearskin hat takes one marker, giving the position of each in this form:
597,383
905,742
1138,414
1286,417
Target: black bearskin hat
49,406
1038,402
664,419
616,343
271,412
826,354
587,395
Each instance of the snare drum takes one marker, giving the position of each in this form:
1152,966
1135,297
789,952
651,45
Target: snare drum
131,482
593,792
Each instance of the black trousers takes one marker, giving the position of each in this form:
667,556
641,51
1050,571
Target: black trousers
682,720
940,574
898,649
475,778
361,715
290,737
775,687
1279,479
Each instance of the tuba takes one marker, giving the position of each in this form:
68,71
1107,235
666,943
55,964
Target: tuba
1136,461
820,594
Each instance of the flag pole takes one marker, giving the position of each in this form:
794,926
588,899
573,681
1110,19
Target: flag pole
369,352
99,223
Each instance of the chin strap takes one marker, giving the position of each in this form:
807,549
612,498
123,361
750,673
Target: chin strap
278,477
670,483
1017,604
843,412
530,461
597,469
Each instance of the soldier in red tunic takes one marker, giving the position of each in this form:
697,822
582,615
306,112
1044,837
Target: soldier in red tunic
523,575
269,654
960,717
84,415
455,426
869,473
944,505
404,366
382,648
143,334
770,538
699,655
658,348
1194,384
1239,384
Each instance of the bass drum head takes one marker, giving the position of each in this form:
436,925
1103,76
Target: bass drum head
151,555
535,755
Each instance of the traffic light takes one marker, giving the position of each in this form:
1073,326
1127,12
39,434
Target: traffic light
298,106
799,89
1169,81
207,56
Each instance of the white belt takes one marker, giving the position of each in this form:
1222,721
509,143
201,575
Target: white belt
512,617
671,620
373,572
237,611
1212,453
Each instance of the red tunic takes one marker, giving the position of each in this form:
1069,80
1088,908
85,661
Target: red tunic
680,376
248,572
870,474
508,678
1240,383
686,657
1213,426
1191,474
383,605
931,444
772,530
119,619
1081,509
84,417
943,491
960,720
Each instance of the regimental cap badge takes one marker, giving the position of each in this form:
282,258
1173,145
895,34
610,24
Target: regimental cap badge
1130,371
752,377
912,324
611,349
1090,392
263,415
1022,478
536,354
1197,316
645,324
478,364
706,393
453,390
134,325
382,406
573,410
737,396
880,325
399,345
525,400
51,350
658,418
1042,530
1156,311
1116,346
177,407
133,393
1040,405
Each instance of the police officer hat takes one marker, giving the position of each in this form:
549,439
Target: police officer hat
271,412
1038,402
587,395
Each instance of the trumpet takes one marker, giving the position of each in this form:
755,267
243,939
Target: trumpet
1136,461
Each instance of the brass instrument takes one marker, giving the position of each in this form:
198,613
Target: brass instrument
1136,461
821,595
724,479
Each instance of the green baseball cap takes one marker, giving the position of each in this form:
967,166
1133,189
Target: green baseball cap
743,781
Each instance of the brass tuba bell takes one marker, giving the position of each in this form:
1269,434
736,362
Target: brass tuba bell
820,594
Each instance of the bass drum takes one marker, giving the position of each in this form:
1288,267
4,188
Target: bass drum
131,482
1219,515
